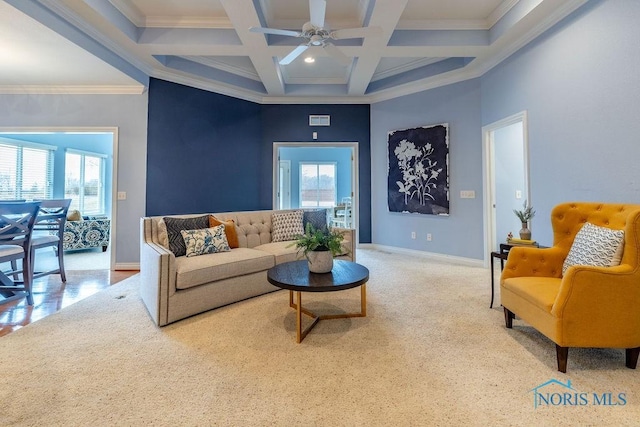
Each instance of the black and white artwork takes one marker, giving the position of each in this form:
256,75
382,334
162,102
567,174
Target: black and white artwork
419,170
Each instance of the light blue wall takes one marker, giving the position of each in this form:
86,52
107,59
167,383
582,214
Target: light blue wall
461,233
101,143
342,157
126,112
580,84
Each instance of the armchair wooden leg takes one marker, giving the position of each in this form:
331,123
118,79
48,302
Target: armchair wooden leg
562,354
632,357
508,318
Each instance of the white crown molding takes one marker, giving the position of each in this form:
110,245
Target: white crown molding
459,24
210,62
208,85
130,12
72,89
66,13
405,67
187,22
568,6
502,9
317,80
442,24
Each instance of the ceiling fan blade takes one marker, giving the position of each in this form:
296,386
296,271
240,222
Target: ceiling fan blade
355,33
317,9
294,54
337,54
275,31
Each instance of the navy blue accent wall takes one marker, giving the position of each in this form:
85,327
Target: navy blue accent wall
212,153
203,152
349,123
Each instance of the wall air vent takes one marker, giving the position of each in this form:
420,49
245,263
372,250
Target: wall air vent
317,120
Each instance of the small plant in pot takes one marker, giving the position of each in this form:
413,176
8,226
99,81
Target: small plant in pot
319,246
525,215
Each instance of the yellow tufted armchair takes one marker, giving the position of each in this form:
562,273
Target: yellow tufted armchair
587,306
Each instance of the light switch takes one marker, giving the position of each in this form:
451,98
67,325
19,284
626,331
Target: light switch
467,194
518,194
122,195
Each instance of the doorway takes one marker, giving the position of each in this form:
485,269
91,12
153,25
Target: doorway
331,190
101,141
506,159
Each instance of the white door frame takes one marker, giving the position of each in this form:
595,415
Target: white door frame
114,162
488,153
314,144
286,185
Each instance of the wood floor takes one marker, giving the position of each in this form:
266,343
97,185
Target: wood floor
50,295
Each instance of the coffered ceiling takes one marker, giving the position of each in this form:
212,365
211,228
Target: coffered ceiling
112,46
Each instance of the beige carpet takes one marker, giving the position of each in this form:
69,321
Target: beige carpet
430,352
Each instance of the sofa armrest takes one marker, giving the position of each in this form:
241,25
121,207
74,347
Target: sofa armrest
349,242
533,262
157,276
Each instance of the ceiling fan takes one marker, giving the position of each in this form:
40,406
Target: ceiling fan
316,35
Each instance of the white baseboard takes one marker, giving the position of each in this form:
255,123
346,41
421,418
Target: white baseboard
422,254
127,266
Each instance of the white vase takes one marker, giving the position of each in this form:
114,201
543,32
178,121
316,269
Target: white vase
320,261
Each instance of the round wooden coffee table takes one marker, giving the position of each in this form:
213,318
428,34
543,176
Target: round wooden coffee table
295,277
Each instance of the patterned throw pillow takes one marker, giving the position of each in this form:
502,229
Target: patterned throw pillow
286,225
317,218
205,241
176,225
229,230
597,246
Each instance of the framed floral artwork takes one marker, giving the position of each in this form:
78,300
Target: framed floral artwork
418,179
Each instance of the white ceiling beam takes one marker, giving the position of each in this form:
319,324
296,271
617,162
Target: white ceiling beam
386,15
243,15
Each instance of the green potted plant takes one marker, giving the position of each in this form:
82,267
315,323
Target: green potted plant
319,246
525,215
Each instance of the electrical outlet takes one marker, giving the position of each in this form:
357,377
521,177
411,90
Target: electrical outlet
429,237
413,234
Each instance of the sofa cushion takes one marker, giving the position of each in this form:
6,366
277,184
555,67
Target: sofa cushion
596,246
283,251
194,271
175,225
286,225
229,230
205,241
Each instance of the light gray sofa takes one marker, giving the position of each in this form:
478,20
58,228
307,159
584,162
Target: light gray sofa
174,288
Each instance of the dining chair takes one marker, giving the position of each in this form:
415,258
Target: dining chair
14,263
49,232
16,226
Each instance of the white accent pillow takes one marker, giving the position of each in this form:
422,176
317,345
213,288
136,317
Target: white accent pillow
205,241
597,246
286,225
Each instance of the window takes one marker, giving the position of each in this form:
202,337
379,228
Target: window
26,170
317,184
84,181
